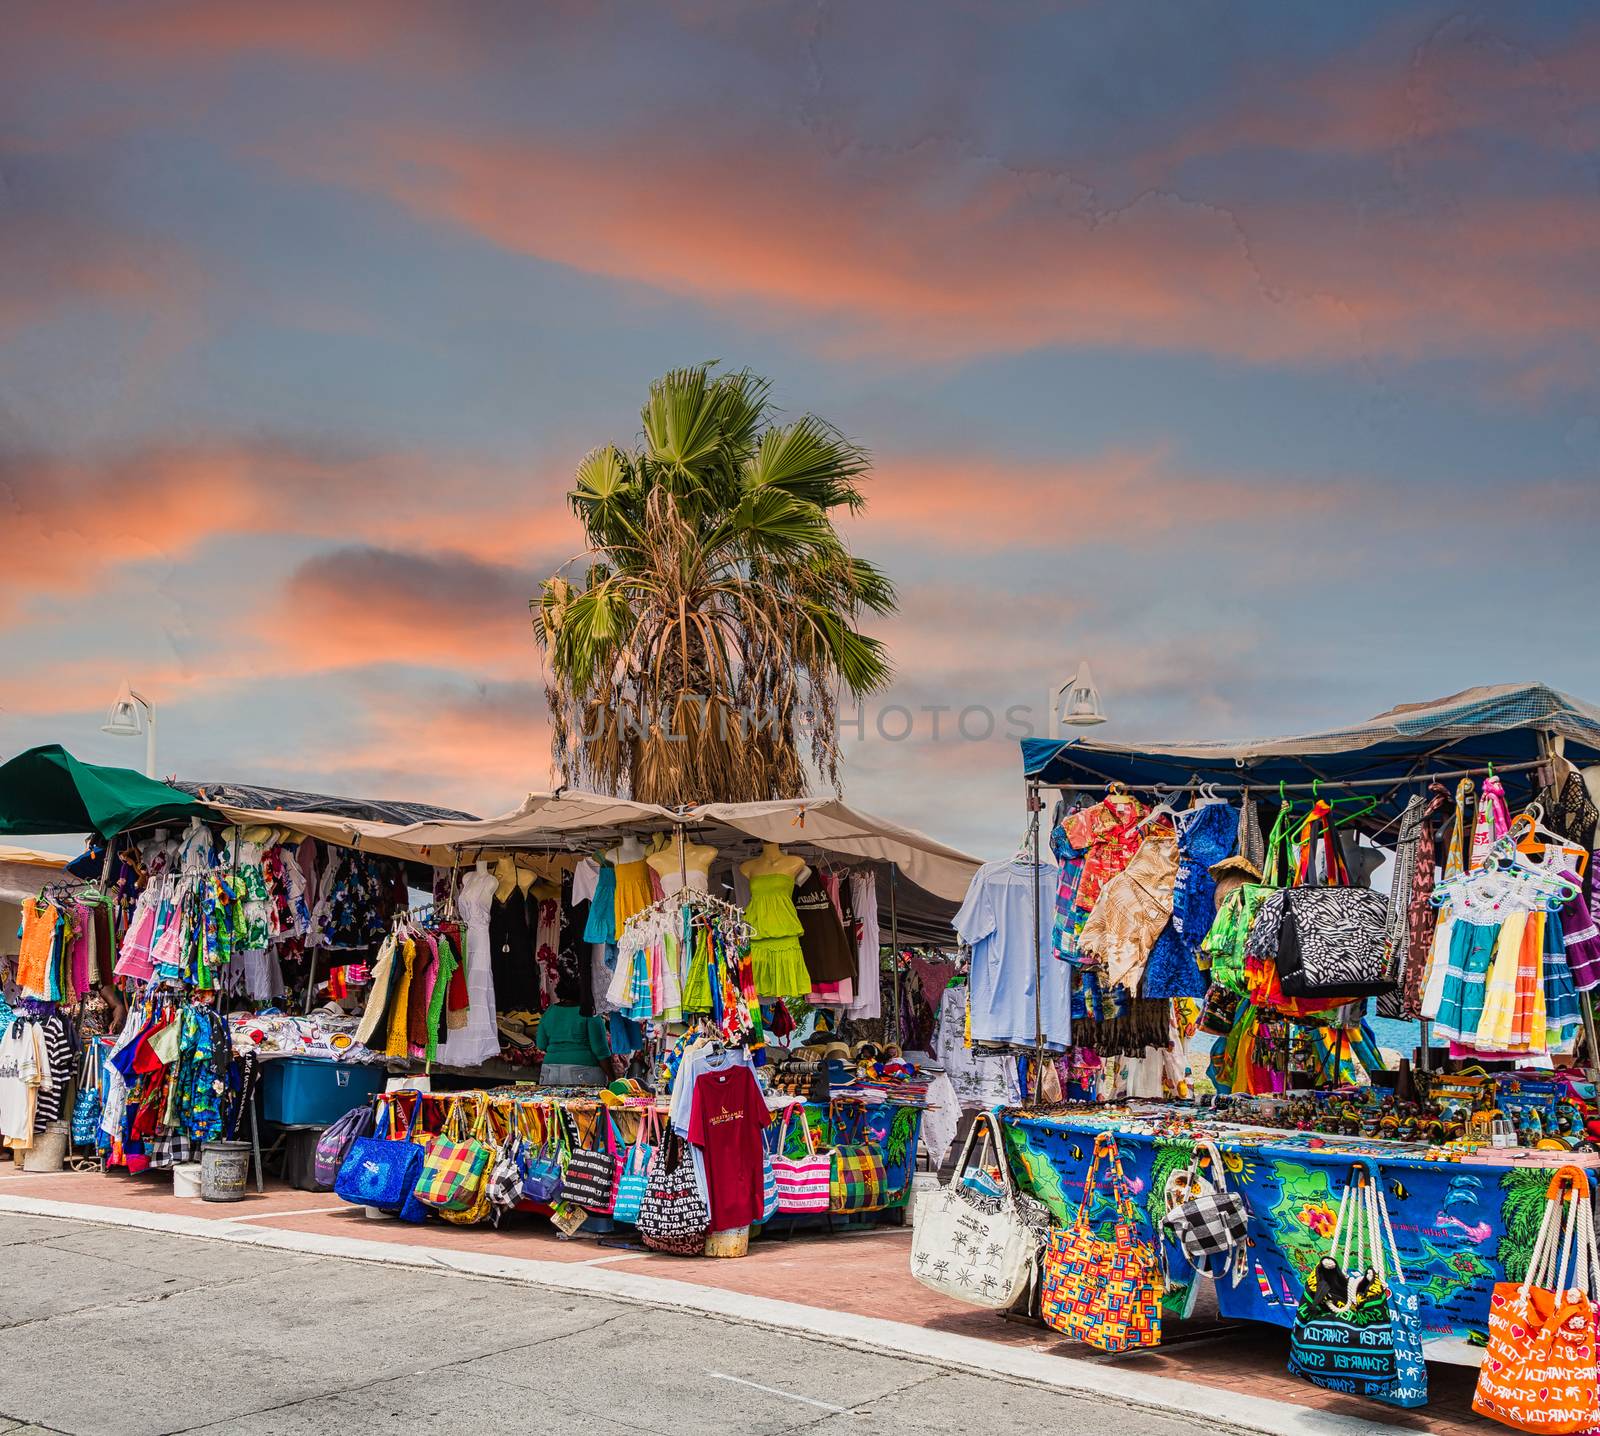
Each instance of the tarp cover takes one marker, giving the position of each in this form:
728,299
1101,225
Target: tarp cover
824,825
370,810
47,790
1498,724
23,871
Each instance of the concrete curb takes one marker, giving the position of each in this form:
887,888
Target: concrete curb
1214,1406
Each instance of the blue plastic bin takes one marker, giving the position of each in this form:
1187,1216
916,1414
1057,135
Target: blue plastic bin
314,1092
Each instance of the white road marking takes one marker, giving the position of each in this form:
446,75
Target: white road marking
776,1391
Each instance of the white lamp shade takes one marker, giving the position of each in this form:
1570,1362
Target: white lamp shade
1083,700
123,719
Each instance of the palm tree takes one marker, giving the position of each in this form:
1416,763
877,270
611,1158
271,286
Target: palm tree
700,647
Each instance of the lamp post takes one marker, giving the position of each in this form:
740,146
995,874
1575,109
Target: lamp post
1082,709
131,714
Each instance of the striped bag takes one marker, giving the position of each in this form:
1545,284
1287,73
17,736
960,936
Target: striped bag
803,1182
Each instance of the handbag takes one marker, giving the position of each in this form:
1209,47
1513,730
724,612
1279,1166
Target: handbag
381,1171
1410,1386
769,1186
544,1170
673,1217
479,1208
858,1180
591,1178
1331,939
804,1183
1203,1216
1105,1291
86,1105
1343,1336
455,1165
1539,1373
635,1166
504,1184
334,1144
978,1249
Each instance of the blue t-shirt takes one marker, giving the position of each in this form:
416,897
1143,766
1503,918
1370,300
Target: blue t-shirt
997,922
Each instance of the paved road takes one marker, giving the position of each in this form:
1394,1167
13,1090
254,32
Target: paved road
106,1331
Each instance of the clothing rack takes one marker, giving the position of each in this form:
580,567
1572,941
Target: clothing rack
1483,770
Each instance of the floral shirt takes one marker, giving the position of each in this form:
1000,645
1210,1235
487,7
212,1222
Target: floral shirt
1109,835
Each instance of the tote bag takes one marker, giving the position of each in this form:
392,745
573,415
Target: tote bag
1103,1291
456,1164
1331,939
544,1164
978,1249
672,1216
591,1176
381,1171
1206,1220
635,1167
1539,1373
1343,1337
334,1144
804,1183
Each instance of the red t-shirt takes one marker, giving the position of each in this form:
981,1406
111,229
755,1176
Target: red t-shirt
726,1119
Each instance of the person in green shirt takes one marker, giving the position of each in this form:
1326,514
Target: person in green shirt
575,1047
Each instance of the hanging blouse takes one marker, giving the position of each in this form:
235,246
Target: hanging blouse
1109,835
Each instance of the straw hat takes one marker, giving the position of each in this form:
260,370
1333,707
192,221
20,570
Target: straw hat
1232,873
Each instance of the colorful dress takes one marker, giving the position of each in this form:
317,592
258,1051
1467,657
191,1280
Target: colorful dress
779,965
632,892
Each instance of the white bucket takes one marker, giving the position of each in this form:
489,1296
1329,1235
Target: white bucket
186,1179
375,1214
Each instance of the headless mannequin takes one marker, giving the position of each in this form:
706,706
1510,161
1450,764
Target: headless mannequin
629,850
683,865
505,872
773,859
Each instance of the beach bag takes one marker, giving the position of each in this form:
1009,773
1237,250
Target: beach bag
1331,940
480,1208
769,1187
1539,1372
591,1176
635,1168
858,1180
381,1171
1343,1337
505,1182
1410,1386
1206,1220
673,1217
978,1249
544,1164
333,1145
804,1183
86,1105
455,1166
1105,1291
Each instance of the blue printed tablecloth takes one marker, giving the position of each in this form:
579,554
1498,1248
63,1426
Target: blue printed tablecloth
1460,1227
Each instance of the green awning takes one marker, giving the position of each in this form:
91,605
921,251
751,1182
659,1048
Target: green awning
47,790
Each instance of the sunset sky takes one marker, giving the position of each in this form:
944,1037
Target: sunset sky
1247,350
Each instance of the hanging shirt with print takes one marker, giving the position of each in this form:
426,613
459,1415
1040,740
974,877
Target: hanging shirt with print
726,1123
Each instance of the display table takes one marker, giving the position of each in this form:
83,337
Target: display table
1460,1227
894,1128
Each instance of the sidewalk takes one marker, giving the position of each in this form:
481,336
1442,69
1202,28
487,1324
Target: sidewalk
850,1275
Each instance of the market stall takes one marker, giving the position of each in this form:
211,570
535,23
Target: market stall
1278,901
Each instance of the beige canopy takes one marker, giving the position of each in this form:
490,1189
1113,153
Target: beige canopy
23,871
821,825
360,833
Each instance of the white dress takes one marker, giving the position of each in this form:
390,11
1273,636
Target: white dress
479,1040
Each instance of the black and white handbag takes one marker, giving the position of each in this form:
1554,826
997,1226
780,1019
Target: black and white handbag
1206,1220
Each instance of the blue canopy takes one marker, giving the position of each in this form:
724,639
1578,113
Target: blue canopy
1500,725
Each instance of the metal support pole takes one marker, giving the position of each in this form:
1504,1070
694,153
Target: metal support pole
1034,805
894,953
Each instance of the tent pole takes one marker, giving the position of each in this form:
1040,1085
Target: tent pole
894,953
1591,1065
1034,804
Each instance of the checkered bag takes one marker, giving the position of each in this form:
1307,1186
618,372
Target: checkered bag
858,1182
1203,1216
1103,1291
456,1165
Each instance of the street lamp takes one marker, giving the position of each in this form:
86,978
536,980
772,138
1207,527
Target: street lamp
125,720
1083,708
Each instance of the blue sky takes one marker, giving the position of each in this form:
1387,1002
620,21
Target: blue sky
1245,350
